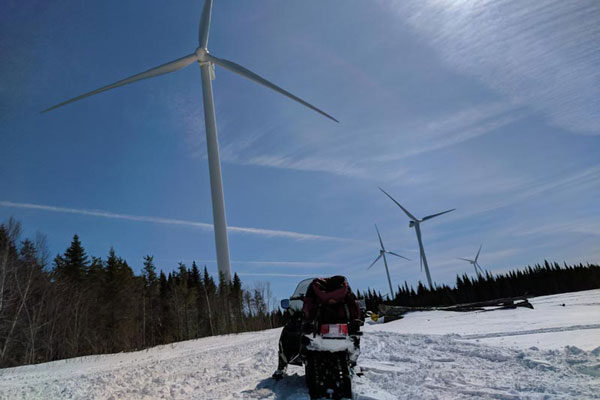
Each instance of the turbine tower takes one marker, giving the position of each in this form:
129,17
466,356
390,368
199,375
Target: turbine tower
382,252
416,223
474,262
207,63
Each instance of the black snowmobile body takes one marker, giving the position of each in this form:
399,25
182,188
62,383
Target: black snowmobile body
328,342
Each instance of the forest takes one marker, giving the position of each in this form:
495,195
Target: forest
539,280
78,304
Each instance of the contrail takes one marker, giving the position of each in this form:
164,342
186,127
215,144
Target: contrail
293,264
170,221
276,275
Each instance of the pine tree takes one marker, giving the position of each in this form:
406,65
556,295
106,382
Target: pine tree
149,271
224,307
236,298
209,292
72,266
150,302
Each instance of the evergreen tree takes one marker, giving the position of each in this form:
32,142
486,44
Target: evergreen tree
236,299
149,271
150,302
72,266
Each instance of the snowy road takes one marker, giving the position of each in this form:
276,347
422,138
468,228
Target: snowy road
399,365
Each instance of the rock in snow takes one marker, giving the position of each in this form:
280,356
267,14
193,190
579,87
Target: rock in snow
423,356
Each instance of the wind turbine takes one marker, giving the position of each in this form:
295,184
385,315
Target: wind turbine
416,223
382,252
207,63
474,262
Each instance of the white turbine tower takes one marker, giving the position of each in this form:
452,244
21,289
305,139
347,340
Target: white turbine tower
416,223
474,262
382,253
207,62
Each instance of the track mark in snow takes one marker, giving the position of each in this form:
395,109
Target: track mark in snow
531,332
447,366
442,359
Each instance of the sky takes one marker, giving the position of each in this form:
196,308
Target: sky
489,107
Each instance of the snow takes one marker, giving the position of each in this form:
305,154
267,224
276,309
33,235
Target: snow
546,353
549,326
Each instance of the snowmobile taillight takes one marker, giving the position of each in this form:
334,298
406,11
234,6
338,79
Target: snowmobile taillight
334,330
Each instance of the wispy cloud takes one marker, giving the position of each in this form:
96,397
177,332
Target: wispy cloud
373,150
314,164
275,275
304,264
579,180
586,226
287,264
170,221
452,128
541,54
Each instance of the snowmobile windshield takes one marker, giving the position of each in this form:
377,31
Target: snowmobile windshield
295,302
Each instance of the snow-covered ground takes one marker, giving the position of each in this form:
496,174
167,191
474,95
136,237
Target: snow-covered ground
552,352
558,320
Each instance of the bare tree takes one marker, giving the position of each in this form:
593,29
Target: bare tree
10,236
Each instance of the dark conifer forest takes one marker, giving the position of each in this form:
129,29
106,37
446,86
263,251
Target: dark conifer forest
78,304
540,280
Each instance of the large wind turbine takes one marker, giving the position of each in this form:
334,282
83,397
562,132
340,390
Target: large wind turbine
416,223
207,62
474,262
382,252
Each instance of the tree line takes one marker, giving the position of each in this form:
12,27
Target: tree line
79,305
540,280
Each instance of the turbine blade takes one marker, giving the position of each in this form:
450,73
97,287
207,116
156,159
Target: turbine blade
160,70
436,215
421,261
205,24
373,263
238,69
479,251
480,269
398,204
397,255
379,236
465,259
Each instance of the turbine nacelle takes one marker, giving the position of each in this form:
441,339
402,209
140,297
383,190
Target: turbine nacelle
203,58
411,223
202,55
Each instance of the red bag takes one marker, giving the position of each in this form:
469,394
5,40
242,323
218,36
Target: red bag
330,300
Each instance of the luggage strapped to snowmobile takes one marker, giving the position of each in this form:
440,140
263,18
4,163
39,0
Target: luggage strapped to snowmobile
325,301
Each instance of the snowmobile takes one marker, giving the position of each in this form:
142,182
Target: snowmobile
323,334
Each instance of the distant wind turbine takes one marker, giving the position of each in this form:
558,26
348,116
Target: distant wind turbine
207,62
474,262
382,253
416,223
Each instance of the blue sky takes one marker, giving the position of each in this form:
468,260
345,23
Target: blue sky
488,107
